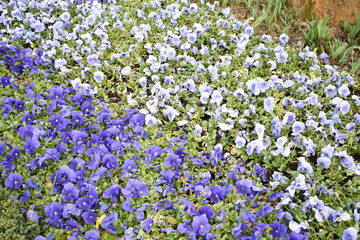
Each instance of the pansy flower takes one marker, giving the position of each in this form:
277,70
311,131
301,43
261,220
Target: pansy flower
13,181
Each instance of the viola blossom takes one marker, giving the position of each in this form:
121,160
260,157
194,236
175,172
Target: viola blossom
106,223
297,128
243,186
13,181
147,224
170,112
135,189
98,76
30,145
350,234
201,225
278,230
269,104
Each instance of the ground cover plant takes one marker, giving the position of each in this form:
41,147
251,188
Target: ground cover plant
170,120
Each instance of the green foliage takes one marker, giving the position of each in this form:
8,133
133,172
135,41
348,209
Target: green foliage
353,32
317,33
13,222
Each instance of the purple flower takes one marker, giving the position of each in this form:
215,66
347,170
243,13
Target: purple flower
70,192
264,210
15,152
243,186
20,105
2,148
172,160
112,193
154,151
26,130
13,181
137,120
106,223
84,203
207,211
135,188
30,145
33,216
241,227
350,234
91,235
54,211
87,109
147,224
201,225
129,165
69,210
278,230
89,217
217,194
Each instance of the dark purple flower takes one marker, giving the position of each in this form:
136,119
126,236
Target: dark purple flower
154,151
25,197
70,192
89,217
201,225
77,118
87,109
243,186
278,230
110,162
54,211
69,210
27,118
13,181
57,121
112,193
241,227
298,236
129,165
217,194
127,206
147,224
83,203
15,152
264,210
207,211
30,145
20,105
93,196
56,93
91,235
106,223
2,148
26,130
135,188
173,160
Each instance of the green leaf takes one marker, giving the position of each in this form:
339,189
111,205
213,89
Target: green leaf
259,20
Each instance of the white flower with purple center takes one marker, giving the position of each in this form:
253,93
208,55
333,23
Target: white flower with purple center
269,104
298,127
170,112
192,37
126,71
98,76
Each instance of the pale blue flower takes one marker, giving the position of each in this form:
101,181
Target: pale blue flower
98,76
269,104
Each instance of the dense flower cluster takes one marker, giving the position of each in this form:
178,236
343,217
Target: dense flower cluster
218,132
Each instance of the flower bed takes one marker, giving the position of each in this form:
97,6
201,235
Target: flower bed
170,120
